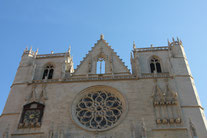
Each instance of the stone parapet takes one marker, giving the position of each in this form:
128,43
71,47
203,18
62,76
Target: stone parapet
51,55
149,49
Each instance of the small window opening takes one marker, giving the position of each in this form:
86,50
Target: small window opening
48,72
100,66
155,65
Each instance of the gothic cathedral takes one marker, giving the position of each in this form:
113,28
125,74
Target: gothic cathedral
102,98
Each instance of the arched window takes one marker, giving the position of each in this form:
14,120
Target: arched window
48,72
31,115
100,66
155,65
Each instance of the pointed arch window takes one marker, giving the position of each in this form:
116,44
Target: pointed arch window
48,72
155,65
100,66
31,115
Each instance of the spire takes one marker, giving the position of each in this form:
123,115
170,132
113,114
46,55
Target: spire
102,37
134,46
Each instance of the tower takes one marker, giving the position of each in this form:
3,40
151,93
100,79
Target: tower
102,98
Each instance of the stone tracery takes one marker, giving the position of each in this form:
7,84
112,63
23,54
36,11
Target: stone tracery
99,110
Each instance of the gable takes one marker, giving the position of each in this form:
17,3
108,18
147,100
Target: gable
113,64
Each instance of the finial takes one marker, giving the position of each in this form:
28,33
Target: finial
30,50
134,45
26,49
69,49
36,52
173,39
102,37
178,39
168,42
181,42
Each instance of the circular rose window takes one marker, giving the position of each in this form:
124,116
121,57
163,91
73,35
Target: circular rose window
98,108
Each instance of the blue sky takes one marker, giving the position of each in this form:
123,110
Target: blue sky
52,25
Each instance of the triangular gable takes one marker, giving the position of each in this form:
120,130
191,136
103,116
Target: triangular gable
113,64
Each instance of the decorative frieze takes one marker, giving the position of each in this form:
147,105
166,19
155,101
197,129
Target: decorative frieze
169,121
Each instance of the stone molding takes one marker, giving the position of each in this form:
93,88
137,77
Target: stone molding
167,129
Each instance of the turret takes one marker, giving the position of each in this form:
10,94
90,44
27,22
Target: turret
26,66
178,58
185,85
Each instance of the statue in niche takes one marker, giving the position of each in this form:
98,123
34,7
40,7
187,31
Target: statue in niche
143,130
51,131
61,134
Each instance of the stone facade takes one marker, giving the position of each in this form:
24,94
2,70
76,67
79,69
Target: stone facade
158,99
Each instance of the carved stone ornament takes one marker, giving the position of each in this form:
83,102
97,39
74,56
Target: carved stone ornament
99,108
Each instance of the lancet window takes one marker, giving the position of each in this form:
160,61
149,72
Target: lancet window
48,72
155,65
100,66
31,115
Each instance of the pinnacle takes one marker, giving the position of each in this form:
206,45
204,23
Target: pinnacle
102,37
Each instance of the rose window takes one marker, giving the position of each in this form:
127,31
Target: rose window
99,110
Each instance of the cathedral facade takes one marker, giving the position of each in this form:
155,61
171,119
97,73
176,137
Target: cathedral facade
102,98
